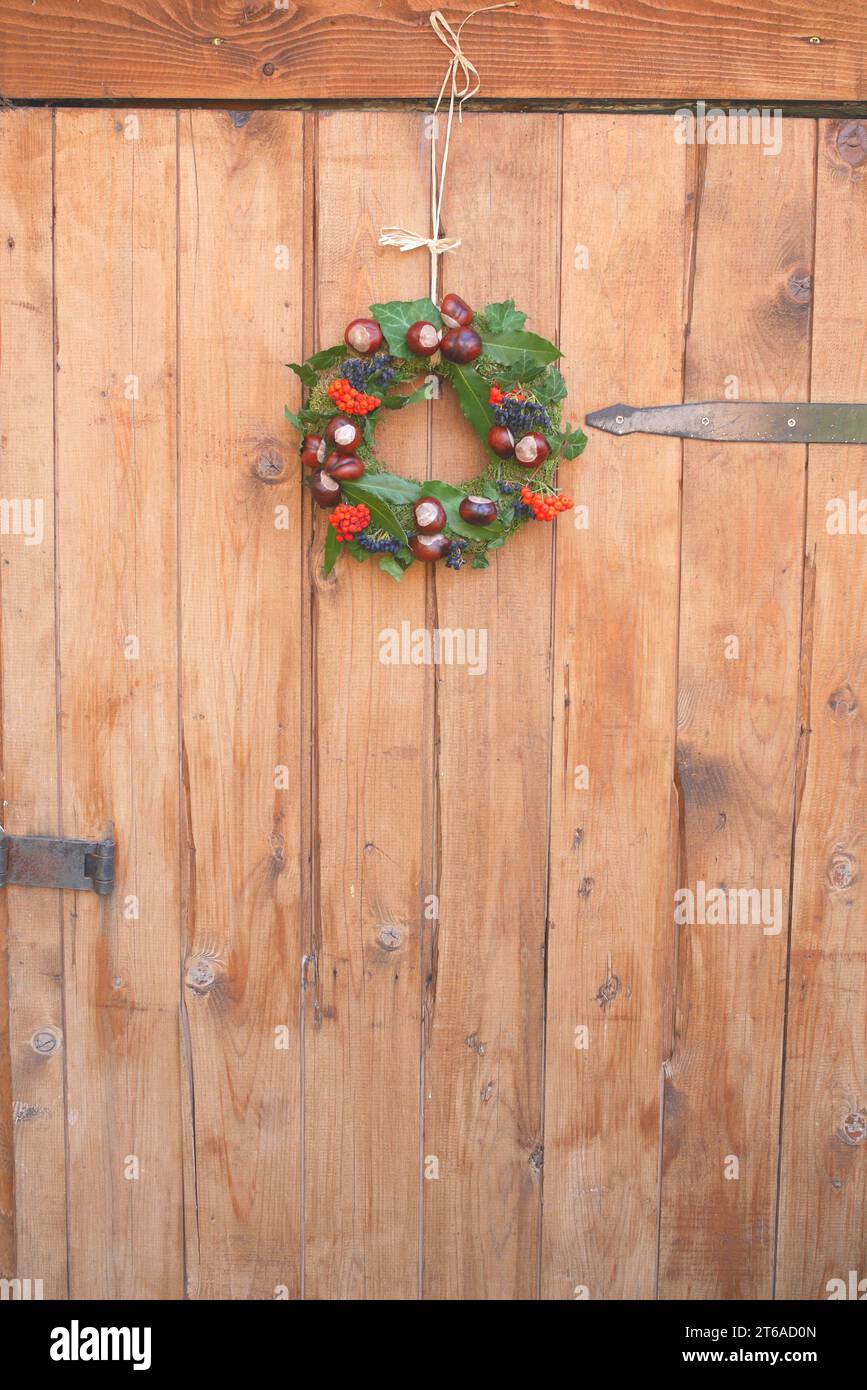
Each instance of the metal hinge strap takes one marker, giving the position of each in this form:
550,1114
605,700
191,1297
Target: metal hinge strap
40,861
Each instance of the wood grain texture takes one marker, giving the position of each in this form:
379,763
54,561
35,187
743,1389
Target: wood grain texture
320,50
373,782
823,1200
484,1002
742,548
610,924
29,695
240,285
117,646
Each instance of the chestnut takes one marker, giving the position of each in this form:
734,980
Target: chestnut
422,338
479,511
502,441
313,450
430,515
461,345
430,547
325,490
345,467
532,450
363,336
344,434
455,311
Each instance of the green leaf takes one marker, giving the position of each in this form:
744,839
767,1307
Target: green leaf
395,317
390,488
501,318
390,565
355,551
451,498
472,392
398,401
321,361
294,420
573,443
523,353
332,549
304,371
479,562
549,388
496,543
380,512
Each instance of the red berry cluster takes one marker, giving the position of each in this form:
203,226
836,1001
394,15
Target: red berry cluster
350,401
498,395
348,521
545,506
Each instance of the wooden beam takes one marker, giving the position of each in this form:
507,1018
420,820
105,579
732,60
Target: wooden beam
769,51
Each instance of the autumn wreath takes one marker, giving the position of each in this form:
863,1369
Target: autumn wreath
508,389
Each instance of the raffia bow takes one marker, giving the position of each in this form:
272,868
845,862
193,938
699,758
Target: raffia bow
459,63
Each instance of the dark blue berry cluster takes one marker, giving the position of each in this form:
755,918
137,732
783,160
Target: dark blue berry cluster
521,511
359,370
455,554
507,488
522,417
378,545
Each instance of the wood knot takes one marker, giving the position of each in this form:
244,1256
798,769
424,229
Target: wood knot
239,118
841,869
843,702
537,1158
389,938
270,466
44,1041
800,284
853,1127
608,990
201,975
585,887
851,143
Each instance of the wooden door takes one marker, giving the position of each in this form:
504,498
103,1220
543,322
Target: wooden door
392,999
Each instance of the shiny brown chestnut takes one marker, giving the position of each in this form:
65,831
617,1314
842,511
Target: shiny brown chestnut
532,450
430,515
345,467
502,441
422,338
324,489
461,345
344,434
456,312
478,511
313,450
430,547
363,336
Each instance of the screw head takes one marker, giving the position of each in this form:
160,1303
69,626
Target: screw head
705,419
791,424
618,419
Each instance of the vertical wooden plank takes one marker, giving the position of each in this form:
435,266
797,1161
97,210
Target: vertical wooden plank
373,780
823,1197
117,601
485,996
611,936
29,698
743,517
240,278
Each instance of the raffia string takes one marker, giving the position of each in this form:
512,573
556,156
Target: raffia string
458,63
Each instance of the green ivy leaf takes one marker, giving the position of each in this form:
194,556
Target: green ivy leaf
472,392
390,488
304,371
380,512
502,318
573,443
332,549
398,401
395,317
321,361
551,387
523,353
390,565
480,563
294,420
451,498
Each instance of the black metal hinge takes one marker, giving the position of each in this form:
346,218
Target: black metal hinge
38,861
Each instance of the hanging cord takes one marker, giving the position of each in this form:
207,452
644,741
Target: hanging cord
458,63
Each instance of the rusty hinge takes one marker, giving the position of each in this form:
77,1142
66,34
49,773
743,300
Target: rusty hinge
39,861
